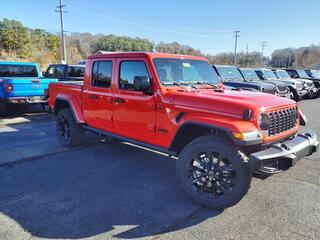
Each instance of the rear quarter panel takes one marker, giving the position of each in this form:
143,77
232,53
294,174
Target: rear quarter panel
70,93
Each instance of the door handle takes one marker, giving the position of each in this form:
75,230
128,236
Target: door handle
93,96
119,100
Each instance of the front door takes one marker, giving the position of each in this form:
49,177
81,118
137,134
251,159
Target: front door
134,111
97,96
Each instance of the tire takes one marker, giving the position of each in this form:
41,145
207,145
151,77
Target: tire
70,133
3,109
232,175
296,97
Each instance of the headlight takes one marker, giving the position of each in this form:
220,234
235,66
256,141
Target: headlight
264,121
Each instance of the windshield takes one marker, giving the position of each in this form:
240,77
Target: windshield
283,74
230,74
249,75
172,70
269,74
55,71
75,72
315,73
18,71
302,74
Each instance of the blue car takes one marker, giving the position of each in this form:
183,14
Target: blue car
21,83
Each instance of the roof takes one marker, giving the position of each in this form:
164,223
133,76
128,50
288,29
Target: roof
104,54
216,65
19,63
64,64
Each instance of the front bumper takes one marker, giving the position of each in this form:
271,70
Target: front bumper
287,94
311,92
281,156
302,93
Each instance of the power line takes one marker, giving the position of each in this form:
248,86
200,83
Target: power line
63,39
147,26
235,46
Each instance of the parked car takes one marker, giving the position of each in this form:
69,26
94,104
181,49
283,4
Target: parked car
314,74
231,76
21,83
301,74
176,104
309,90
65,72
267,75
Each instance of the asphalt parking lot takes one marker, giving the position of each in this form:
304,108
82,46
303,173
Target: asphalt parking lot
111,190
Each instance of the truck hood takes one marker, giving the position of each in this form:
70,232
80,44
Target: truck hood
228,102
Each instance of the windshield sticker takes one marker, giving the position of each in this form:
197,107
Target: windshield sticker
186,64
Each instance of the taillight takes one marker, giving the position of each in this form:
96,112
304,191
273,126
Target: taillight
8,87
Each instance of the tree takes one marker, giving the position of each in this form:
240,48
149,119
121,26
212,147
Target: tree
14,38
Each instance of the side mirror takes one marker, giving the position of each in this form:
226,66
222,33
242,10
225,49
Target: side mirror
142,83
44,74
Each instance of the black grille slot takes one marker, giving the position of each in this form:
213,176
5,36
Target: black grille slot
282,120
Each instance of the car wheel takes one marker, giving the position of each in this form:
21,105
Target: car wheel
213,173
70,133
3,109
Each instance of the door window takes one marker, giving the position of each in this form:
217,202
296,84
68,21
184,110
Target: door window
102,74
129,70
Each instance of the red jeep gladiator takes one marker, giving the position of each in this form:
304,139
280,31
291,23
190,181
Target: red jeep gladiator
177,105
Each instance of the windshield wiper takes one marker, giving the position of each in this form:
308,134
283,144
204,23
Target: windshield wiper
180,84
207,83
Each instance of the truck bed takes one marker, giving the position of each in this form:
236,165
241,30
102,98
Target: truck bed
69,89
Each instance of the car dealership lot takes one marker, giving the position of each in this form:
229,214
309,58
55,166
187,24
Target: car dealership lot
111,190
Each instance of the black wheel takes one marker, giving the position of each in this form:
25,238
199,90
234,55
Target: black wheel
69,132
296,97
212,172
3,109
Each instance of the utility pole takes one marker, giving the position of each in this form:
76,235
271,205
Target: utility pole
235,46
263,45
63,40
247,54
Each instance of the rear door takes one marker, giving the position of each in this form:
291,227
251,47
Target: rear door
97,95
134,111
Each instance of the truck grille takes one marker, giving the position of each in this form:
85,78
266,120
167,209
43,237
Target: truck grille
270,90
299,86
282,120
282,88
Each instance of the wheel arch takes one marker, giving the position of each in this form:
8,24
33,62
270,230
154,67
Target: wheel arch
67,102
191,130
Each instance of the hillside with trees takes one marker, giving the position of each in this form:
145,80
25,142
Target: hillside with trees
19,43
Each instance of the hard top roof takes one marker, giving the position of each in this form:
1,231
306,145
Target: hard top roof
103,54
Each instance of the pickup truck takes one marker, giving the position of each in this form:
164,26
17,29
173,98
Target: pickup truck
232,77
267,75
65,72
301,88
177,105
21,83
301,74
313,74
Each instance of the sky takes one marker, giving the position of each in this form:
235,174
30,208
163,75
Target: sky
203,24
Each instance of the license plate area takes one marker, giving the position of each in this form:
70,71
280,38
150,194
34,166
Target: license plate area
35,99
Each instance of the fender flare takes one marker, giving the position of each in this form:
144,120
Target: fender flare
73,105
